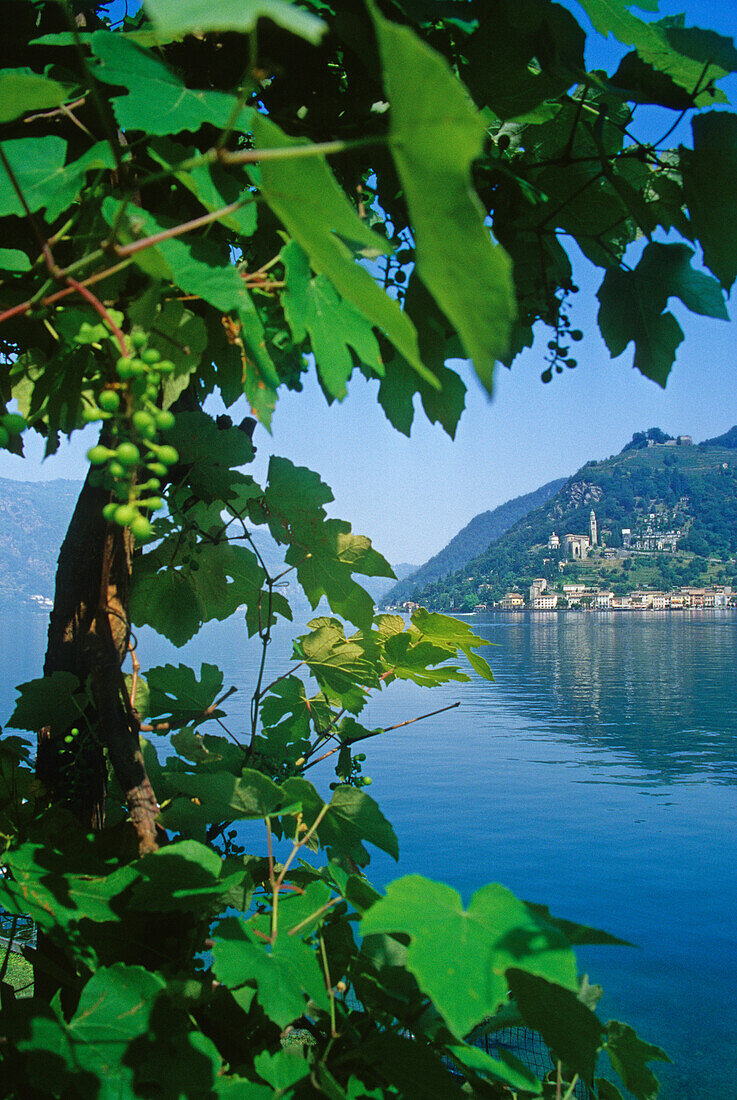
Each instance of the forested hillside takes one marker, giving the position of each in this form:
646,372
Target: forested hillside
685,494
472,540
34,516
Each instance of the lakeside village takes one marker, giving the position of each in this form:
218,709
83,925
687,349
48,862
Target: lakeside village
542,596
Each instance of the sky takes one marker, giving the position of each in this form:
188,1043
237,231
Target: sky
411,496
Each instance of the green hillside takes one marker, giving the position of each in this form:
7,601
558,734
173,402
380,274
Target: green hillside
685,495
471,541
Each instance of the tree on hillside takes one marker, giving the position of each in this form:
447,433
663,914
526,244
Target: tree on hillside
199,205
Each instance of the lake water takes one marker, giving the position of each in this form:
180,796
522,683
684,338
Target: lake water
598,774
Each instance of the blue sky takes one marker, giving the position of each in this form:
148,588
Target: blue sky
411,496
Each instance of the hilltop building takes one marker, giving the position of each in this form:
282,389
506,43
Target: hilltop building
592,528
554,542
577,546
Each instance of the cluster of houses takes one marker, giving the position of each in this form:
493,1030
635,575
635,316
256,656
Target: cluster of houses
579,595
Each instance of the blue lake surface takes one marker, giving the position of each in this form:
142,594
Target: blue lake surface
598,774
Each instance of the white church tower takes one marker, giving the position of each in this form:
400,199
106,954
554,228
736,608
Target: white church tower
592,528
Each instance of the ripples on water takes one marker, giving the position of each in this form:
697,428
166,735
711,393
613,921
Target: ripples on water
596,774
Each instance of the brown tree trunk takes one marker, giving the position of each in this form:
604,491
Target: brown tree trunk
89,633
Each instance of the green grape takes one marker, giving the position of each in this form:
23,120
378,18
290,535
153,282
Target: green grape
576,334
128,454
168,455
165,420
366,781
74,731
158,468
154,378
117,469
141,527
361,756
90,414
138,368
4,437
150,356
154,503
138,339
166,367
152,390
123,367
13,423
109,401
125,514
68,739
96,456
108,511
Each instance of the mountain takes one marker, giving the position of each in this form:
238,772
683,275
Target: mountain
34,516
665,513
471,541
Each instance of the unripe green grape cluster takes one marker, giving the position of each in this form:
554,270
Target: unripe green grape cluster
355,779
11,424
129,403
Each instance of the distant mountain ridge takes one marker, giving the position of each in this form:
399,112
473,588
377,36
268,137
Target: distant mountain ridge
472,540
34,516
659,492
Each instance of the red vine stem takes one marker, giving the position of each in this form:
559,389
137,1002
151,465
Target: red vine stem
99,308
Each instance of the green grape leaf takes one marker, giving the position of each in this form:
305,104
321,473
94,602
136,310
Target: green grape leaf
535,58
505,1068
572,1031
113,1010
178,697
456,635
632,305
166,601
352,817
12,259
710,186
313,306
436,134
706,47
209,453
411,1067
460,958
55,889
304,195
182,876
199,798
578,935
55,700
654,44
283,1069
216,752
642,83
340,665
242,963
179,17
629,1056
210,183
228,576
38,166
22,90
157,101
605,1090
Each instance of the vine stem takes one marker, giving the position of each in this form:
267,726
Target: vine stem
571,1088
329,987
388,729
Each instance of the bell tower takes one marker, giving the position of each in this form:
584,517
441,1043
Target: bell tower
592,528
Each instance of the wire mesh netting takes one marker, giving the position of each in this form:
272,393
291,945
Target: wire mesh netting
19,932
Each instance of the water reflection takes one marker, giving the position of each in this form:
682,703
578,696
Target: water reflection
658,687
